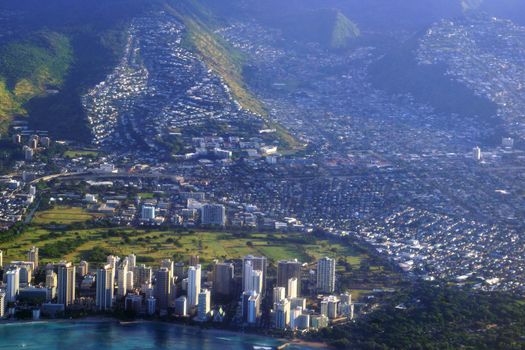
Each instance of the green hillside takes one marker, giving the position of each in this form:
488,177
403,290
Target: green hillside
328,27
471,4
218,54
28,67
343,31
221,57
432,317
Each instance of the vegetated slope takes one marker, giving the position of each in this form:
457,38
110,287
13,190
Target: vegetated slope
344,30
436,317
218,54
28,67
371,15
223,59
511,9
299,21
95,34
471,4
328,27
399,72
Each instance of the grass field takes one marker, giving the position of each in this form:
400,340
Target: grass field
80,153
158,245
62,215
361,273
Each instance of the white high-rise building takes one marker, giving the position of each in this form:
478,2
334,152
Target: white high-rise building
282,313
169,264
213,214
326,275
330,306
129,281
105,283
204,304
279,293
113,261
132,259
122,280
292,288
32,256
1,259
252,279
257,281
507,142
476,152
257,263
28,153
84,268
2,304
254,307
13,284
294,316
51,279
181,306
247,276
148,213
194,285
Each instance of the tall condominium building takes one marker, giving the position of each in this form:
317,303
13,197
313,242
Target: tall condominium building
477,153
204,306
113,261
247,276
292,288
151,304
132,259
257,263
66,284
287,269
105,287
223,274
122,280
330,306
1,259
142,275
181,306
254,308
129,281
179,270
84,268
13,284
148,213
257,281
168,264
194,260
163,288
295,317
26,271
282,313
194,285
326,275
279,293
51,279
32,255
213,214
2,304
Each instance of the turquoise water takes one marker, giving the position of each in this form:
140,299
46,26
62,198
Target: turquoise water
113,336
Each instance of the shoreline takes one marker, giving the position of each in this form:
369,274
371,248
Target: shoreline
103,319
